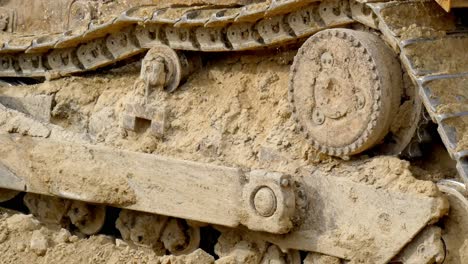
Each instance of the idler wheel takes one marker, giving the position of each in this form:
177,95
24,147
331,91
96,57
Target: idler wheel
345,87
167,68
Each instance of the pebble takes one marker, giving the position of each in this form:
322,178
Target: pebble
63,236
39,243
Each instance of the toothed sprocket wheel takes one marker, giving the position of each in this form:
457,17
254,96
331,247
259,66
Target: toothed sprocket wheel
344,89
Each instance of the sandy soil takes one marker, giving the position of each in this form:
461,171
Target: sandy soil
233,112
25,240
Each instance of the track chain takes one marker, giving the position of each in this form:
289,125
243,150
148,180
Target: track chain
436,61
209,29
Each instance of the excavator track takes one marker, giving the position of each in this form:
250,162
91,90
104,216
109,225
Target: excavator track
209,29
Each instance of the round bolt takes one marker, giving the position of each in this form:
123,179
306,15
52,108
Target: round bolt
284,182
264,201
318,117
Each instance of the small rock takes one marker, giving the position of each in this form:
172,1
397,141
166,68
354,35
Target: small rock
227,260
22,222
39,243
121,243
21,247
265,83
103,239
199,256
63,236
3,234
74,239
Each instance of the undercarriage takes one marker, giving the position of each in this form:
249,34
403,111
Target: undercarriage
365,82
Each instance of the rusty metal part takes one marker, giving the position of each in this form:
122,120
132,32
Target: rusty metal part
344,80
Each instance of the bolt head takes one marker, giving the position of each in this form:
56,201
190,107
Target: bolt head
284,182
264,201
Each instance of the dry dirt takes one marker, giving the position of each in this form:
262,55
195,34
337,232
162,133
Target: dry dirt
233,112
25,240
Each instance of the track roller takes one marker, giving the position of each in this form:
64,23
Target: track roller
88,218
47,209
158,232
167,68
180,238
345,87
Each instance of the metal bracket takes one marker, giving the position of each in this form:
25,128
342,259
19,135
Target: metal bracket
269,202
136,114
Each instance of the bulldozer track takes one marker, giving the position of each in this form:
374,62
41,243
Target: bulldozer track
198,29
257,26
448,110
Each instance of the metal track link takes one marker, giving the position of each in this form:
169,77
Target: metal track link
200,28
436,61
